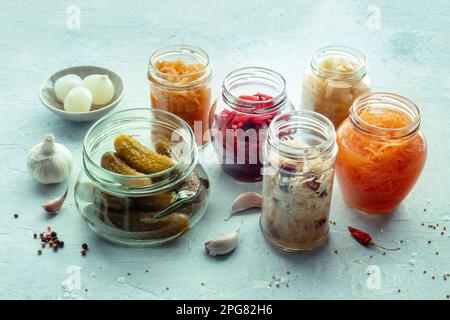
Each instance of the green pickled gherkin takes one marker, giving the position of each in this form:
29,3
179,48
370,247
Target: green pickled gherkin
139,157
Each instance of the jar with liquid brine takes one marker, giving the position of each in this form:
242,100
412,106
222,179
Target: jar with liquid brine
251,98
124,203
336,77
300,152
180,82
382,152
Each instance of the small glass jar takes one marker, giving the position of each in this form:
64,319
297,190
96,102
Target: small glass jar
382,152
180,82
146,209
300,152
337,76
251,98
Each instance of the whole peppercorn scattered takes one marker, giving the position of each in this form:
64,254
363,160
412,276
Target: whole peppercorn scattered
429,241
85,246
61,244
146,271
288,272
398,290
384,253
86,290
442,233
39,252
83,252
129,273
202,284
424,271
444,228
16,215
433,277
335,252
42,245
167,288
448,296
437,253
35,235
401,241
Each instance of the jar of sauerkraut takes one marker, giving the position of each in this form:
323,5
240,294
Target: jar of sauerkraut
300,152
180,83
337,76
251,98
382,152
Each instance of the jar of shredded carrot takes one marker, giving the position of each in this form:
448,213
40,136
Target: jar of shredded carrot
337,76
382,152
180,82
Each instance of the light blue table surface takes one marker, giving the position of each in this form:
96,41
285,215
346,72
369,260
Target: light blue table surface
407,46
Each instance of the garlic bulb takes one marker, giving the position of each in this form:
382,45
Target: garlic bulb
49,162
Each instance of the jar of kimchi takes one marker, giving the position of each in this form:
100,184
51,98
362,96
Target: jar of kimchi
251,98
337,76
382,152
180,83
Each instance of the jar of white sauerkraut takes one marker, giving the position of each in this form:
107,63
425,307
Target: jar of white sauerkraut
300,152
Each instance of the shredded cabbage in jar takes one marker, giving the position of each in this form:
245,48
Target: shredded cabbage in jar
296,202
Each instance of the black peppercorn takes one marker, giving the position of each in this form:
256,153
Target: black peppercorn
84,246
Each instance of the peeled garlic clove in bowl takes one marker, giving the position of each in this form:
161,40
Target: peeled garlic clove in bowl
101,87
49,162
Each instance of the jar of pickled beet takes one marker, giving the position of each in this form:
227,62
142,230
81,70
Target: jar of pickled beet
382,152
336,77
251,98
300,153
180,83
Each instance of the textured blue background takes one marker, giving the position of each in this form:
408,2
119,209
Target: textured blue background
408,54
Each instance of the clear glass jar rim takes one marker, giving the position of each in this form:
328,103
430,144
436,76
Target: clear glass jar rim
88,164
327,128
344,76
159,76
405,105
242,104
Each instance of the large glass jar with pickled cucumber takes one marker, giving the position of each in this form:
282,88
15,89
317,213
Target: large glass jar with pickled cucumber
140,182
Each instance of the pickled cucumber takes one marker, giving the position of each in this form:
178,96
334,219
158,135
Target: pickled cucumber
137,221
155,202
164,147
139,157
111,162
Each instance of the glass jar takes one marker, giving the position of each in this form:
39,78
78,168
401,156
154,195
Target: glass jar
143,209
300,152
337,76
382,152
251,98
180,82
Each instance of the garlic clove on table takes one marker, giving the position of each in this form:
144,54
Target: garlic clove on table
224,244
54,205
49,162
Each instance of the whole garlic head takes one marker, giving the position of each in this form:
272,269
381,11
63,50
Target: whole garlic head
49,162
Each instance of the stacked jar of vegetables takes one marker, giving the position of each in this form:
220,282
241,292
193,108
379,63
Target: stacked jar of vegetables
180,83
251,98
382,152
336,77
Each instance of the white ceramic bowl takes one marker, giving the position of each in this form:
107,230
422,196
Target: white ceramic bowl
48,97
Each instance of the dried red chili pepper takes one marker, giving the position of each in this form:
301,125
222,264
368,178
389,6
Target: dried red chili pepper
365,239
